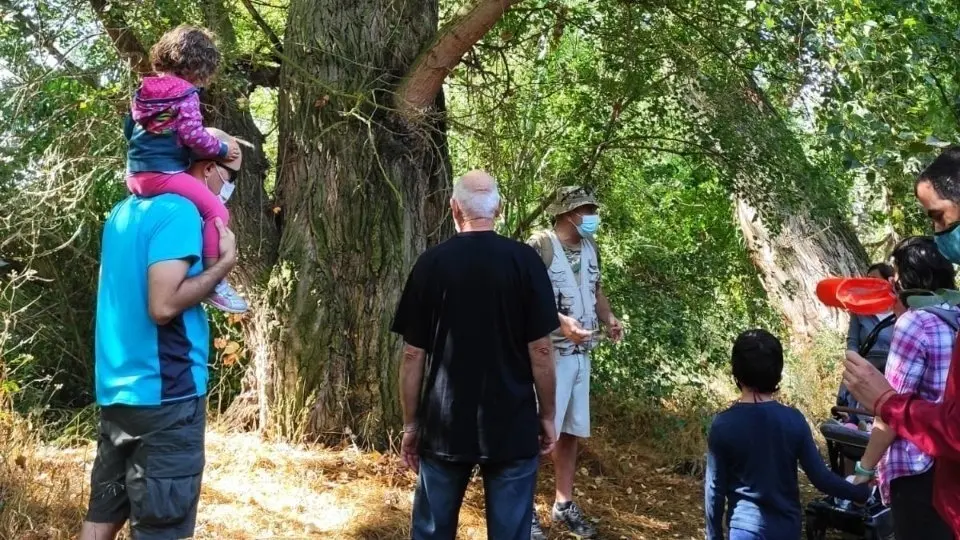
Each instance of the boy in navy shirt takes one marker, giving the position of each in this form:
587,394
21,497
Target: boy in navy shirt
754,448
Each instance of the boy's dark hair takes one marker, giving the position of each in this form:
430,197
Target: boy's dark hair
920,265
944,174
188,52
758,361
885,270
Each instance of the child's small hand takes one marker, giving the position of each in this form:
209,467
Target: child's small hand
860,479
233,150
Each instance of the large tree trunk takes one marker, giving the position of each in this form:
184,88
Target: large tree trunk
787,209
362,192
792,260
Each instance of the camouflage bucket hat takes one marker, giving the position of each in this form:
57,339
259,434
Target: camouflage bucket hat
570,198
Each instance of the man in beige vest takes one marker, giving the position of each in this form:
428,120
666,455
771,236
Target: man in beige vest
573,263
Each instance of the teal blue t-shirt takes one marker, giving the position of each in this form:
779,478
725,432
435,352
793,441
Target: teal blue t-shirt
139,363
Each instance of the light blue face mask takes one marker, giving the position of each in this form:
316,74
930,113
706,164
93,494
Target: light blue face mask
948,242
588,225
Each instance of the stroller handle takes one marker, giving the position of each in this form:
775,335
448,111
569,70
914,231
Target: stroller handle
850,410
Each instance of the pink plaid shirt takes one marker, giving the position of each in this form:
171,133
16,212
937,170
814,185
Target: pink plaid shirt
918,362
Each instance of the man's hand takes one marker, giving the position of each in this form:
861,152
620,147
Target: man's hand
865,382
573,330
548,436
228,242
408,451
614,329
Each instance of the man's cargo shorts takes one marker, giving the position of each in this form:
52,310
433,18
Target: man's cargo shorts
148,468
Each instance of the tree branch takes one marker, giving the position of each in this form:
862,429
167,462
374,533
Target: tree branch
425,79
126,43
257,18
259,74
30,29
947,102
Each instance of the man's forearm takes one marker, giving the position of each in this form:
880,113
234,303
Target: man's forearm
411,379
171,293
544,376
194,289
603,307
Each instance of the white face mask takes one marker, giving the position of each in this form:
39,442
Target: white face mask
226,190
226,187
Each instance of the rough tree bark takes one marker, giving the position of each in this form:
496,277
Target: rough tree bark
362,186
251,213
792,258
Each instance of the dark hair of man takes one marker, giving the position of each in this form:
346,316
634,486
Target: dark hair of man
944,174
758,361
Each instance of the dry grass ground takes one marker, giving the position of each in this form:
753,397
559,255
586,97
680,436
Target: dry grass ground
638,475
267,490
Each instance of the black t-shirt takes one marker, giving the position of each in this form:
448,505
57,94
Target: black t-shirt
474,303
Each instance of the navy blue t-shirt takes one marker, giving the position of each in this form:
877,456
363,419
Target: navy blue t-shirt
752,461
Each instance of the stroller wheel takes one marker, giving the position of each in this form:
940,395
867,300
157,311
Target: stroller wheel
815,529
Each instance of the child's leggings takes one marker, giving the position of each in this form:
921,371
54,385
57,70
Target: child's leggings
149,184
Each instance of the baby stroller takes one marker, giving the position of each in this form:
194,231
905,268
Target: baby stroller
872,521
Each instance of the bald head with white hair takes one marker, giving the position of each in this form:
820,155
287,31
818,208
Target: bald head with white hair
475,202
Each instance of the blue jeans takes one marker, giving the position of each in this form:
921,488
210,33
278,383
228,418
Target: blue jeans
508,490
740,534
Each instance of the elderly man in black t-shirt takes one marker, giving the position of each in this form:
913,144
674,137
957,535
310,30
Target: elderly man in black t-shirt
476,316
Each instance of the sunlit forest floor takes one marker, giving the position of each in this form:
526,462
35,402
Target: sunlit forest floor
254,489
639,476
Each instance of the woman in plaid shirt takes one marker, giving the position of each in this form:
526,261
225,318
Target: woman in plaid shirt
918,363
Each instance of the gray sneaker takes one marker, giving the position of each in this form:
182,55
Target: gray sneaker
570,515
536,533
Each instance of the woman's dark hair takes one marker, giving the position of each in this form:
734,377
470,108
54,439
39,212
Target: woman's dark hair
188,52
885,270
944,174
758,361
920,265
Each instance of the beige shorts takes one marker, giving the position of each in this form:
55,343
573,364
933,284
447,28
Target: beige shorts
573,395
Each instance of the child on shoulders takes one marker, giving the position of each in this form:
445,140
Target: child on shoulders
165,132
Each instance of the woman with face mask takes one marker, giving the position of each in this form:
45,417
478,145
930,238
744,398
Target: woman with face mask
862,325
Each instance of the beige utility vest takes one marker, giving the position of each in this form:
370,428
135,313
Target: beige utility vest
577,299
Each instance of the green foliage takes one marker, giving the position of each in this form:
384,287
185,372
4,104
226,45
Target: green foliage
675,268
669,109
581,101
